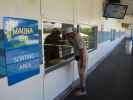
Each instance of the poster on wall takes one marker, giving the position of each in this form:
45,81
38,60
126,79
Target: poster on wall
20,32
23,70
21,49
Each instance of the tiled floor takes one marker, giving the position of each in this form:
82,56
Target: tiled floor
112,80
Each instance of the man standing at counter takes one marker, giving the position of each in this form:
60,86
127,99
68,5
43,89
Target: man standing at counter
80,56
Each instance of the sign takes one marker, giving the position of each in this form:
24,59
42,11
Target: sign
23,70
125,25
20,32
20,50
2,55
23,54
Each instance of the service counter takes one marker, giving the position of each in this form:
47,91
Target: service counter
59,63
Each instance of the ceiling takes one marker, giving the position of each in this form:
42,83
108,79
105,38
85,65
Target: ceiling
130,6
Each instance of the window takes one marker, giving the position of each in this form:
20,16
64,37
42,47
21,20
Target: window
89,35
56,49
105,36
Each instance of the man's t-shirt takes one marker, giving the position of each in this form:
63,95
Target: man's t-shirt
78,44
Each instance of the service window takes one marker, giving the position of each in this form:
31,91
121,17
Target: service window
89,35
56,49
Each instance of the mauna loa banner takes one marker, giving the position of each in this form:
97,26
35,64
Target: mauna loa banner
20,49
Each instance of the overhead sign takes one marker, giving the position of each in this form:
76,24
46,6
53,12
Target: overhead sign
125,25
20,50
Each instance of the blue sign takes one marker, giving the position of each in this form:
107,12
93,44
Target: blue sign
2,55
23,70
20,50
20,32
23,54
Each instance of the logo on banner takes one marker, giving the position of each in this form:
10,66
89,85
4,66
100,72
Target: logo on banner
20,32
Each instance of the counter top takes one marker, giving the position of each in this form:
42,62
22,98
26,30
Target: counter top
56,66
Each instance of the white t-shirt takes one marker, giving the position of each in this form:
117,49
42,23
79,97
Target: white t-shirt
78,44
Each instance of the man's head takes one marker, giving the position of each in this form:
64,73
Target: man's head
68,33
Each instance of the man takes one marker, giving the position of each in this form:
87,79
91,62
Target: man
80,56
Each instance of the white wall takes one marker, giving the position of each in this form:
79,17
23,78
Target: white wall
82,13
20,8
59,10
58,80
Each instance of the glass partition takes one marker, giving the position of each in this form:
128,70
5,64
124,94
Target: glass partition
89,35
105,36
56,49
110,35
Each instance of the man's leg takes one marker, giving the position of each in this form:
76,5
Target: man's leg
82,77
